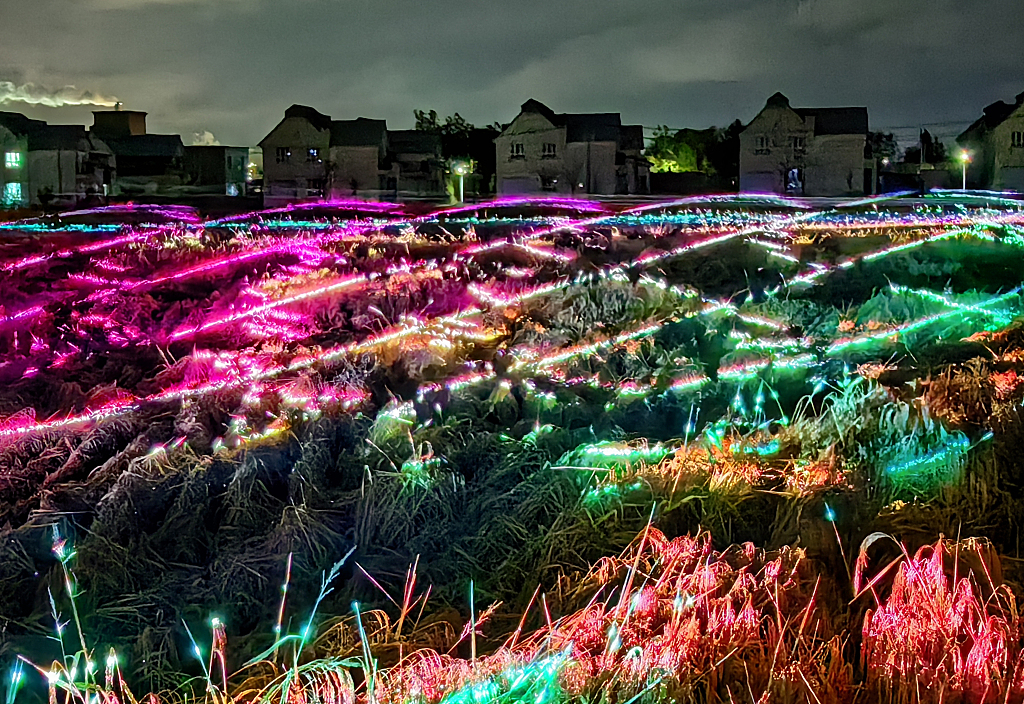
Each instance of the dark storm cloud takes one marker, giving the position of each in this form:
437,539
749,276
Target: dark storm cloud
230,67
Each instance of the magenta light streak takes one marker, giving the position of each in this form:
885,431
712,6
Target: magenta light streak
83,249
512,202
242,315
357,205
26,314
645,259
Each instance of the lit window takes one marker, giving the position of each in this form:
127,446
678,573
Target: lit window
548,150
518,152
284,155
1017,139
313,156
12,194
12,160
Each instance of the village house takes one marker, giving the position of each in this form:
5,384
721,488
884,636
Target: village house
216,169
541,151
46,164
358,159
995,146
146,163
805,151
310,156
416,162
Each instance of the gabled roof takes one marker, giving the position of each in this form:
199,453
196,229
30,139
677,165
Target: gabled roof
579,127
826,120
19,124
592,127
44,137
224,148
317,119
837,120
360,132
540,108
414,142
992,116
57,137
154,145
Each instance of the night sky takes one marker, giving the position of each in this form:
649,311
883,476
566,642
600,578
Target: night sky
231,67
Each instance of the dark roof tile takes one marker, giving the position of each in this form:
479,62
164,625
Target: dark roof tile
414,142
361,132
157,145
19,124
317,119
837,120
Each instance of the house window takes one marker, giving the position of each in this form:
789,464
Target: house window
284,155
517,151
548,150
313,155
12,160
799,143
1017,139
762,145
12,194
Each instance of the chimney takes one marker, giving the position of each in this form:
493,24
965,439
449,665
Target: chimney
118,123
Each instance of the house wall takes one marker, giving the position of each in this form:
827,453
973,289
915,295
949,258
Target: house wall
533,172
52,169
765,169
9,142
217,168
831,165
594,161
834,165
409,170
1008,160
355,164
634,176
982,167
291,180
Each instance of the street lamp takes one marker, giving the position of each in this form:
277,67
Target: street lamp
965,159
461,168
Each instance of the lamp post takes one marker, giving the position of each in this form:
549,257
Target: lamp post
965,159
461,168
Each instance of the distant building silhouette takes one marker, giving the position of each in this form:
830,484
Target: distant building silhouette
147,163
59,165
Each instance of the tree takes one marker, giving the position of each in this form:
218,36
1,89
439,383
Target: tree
454,125
881,145
427,121
934,151
462,140
681,151
724,155
713,152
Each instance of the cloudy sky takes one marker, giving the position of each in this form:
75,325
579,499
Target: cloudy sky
231,67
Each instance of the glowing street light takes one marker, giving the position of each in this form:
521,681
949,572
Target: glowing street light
965,159
461,168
